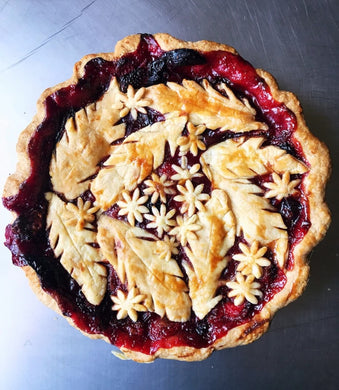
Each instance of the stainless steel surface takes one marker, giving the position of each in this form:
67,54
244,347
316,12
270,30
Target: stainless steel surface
297,41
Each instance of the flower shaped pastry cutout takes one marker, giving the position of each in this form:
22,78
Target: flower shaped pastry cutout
132,102
171,245
160,220
185,228
158,187
133,206
183,173
251,259
243,289
128,304
82,213
193,141
281,187
191,197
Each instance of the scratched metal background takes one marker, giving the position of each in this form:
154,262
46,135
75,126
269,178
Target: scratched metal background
298,42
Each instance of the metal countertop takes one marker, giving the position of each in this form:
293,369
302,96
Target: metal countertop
296,41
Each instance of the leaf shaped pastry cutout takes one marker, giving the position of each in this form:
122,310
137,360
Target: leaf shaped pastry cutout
135,255
77,255
241,158
133,160
85,142
229,164
255,218
207,252
204,105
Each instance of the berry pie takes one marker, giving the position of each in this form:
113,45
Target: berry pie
166,198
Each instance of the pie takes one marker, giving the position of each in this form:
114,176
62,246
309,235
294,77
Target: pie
166,198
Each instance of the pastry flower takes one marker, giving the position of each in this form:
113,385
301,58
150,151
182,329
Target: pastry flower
133,206
243,289
192,142
158,187
170,245
128,305
191,197
281,187
251,259
183,173
160,220
131,102
185,229
82,213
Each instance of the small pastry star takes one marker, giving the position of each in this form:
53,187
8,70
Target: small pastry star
191,197
281,187
243,289
193,141
171,248
160,220
185,229
128,305
82,213
133,206
183,173
251,259
131,102
158,187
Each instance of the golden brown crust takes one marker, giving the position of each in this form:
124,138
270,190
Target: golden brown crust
315,152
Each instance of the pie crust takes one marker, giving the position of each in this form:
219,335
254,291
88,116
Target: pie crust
140,220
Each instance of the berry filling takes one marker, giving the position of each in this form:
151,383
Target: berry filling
27,237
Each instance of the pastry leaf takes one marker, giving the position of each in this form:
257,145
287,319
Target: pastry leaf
205,105
135,255
85,142
241,158
77,255
207,252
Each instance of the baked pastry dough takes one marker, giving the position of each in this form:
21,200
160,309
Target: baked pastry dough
166,198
